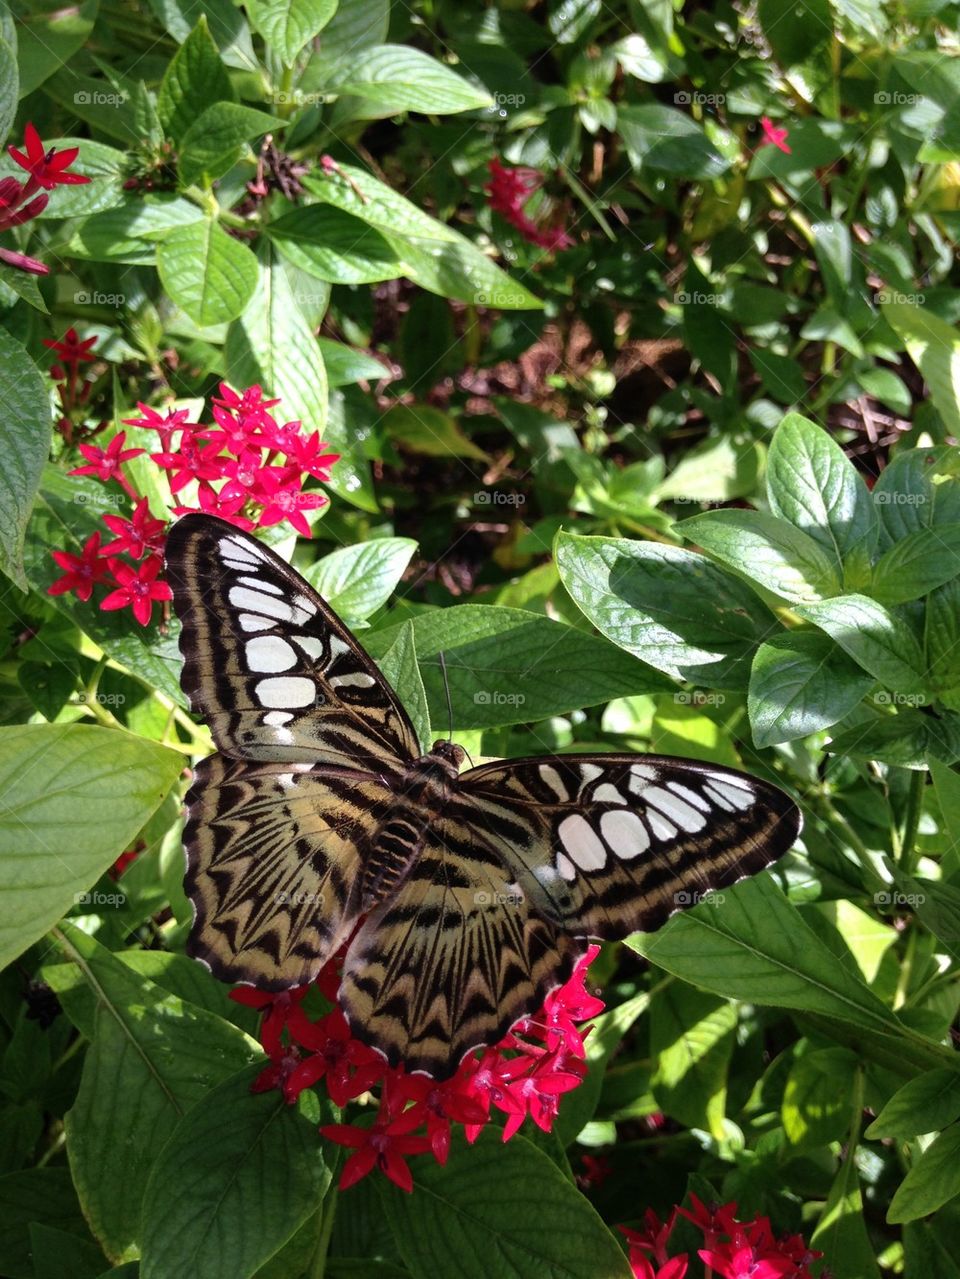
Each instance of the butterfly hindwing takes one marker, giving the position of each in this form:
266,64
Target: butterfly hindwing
273,865
606,845
453,959
272,669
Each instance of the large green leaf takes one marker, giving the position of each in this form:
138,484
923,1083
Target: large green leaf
288,26
662,139
73,797
925,1104
400,668
801,682
772,552
917,564
216,139
934,346
932,1181
503,1212
152,1057
880,641
24,444
194,79
208,273
677,610
392,78
357,580
508,666
35,1196
273,344
239,1175
811,483
919,489
330,244
691,1039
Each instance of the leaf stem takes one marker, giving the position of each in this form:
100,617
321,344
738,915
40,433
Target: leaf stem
318,1263
906,843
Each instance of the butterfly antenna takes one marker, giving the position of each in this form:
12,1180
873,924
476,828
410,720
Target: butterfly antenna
446,689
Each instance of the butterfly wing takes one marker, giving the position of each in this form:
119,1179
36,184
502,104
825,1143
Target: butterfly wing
606,845
273,865
453,959
270,667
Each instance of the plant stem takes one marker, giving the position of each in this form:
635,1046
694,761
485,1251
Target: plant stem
318,1263
911,822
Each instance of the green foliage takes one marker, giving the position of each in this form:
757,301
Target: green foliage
688,483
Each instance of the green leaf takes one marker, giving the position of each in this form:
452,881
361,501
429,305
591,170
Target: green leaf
288,26
831,244
128,232
9,84
925,1104
691,1039
504,1212
208,273
675,609
24,444
394,78
233,35
399,666
50,39
50,1247
357,580
74,796
917,490
239,1175
715,471
194,79
769,550
218,137
934,346
660,139
782,377
577,1107
811,483
508,666
429,253
421,428
330,244
344,364
908,739
801,682
931,1182
151,1058
816,1097
878,640
917,564
37,1195
106,167
273,343
755,946
795,31
841,1233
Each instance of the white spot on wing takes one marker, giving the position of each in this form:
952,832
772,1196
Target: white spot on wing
608,794
729,797
582,842
260,584
286,692
251,622
337,646
679,811
590,773
691,796
237,551
312,646
566,868
277,719
552,778
641,775
356,679
660,827
270,653
268,605
626,834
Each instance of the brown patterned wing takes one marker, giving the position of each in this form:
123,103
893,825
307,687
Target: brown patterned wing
270,667
273,866
453,959
607,845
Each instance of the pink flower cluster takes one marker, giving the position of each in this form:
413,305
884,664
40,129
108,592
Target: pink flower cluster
19,201
248,469
525,1075
731,1249
508,191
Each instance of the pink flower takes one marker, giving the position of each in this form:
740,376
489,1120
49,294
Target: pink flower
70,348
508,191
105,463
82,571
283,500
191,461
348,1067
385,1144
47,169
140,536
771,134
166,425
138,588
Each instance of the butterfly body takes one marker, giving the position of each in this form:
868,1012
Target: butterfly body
465,896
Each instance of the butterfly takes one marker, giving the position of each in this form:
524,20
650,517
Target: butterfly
476,892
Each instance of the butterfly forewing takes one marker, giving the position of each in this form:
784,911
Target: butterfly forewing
274,672
607,845
273,865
